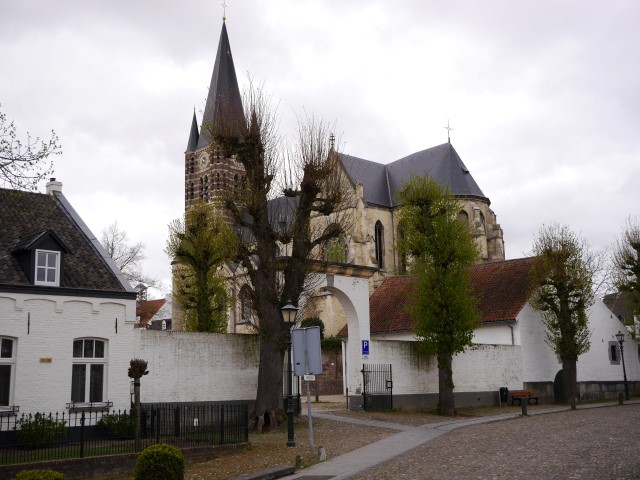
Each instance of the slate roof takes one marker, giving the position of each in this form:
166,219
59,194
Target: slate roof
192,144
381,182
499,287
224,100
620,303
25,216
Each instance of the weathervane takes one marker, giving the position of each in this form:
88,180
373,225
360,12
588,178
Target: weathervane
448,129
224,10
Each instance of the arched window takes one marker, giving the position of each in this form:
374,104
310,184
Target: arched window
191,191
482,224
403,255
89,371
379,239
335,250
463,217
245,305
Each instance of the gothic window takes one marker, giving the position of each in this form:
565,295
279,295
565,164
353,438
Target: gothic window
463,217
245,305
191,191
7,370
335,250
191,165
88,371
206,187
201,187
379,240
403,255
482,224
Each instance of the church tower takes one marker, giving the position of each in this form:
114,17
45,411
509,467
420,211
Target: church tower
207,172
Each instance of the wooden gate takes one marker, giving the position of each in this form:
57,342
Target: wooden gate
377,387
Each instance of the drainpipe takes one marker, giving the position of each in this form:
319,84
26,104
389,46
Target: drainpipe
513,340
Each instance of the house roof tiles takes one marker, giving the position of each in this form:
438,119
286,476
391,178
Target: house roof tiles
25,217
499,287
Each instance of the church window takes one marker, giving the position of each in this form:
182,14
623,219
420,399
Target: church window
379,244
482,221
403,255
463,217
88,371
335,250
201,187
245,305
7,370
191,191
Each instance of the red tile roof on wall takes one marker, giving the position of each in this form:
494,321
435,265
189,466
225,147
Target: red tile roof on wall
146,309
499,287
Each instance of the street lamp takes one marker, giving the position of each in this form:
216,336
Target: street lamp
620,338
289,312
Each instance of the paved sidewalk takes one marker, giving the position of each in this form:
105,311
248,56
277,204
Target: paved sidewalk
352,463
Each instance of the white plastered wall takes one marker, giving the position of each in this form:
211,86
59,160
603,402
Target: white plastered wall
44,328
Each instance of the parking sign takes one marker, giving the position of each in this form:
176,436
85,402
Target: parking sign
365,348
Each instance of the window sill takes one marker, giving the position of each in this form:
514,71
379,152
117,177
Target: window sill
89,407
10,410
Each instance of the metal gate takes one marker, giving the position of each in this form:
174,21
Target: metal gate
377,387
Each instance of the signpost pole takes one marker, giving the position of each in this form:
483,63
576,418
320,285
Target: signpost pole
309,417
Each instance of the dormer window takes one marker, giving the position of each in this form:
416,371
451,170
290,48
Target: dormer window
47,268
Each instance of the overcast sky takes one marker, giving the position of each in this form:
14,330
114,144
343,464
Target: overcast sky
543,97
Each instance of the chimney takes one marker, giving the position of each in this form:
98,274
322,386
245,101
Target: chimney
53,186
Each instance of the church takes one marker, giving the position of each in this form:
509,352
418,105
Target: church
371,242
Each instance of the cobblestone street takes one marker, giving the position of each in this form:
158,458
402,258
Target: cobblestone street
594,443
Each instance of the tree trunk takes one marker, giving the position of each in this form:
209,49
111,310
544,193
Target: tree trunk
570,381
446,405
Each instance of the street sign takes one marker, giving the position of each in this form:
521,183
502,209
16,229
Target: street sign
310,378
365,348
307,357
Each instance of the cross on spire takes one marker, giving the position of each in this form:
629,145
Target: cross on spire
332,141
448,129
224,10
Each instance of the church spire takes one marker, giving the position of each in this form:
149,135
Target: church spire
192,144
223,111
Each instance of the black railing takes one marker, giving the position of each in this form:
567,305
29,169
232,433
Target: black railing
39,437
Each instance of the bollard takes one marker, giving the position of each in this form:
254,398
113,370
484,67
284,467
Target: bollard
524,408
620,398
298,461
322,454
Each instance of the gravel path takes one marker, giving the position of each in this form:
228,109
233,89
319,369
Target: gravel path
597,443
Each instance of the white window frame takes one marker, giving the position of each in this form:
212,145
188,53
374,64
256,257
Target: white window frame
47,268
11,361
88,361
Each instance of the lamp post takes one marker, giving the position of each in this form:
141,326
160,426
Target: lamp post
289,312
620,338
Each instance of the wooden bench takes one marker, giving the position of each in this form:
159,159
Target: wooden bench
523,394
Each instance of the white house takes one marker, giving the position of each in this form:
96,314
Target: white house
509,345
66,312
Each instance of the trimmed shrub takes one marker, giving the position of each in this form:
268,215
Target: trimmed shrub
119,425
39,475
159,462
40,430
331,344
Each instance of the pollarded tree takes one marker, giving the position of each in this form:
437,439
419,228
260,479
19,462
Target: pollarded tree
561,288
290,196
24,163
199,246
626,264
442,249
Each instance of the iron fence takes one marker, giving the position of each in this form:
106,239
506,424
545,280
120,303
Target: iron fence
27,438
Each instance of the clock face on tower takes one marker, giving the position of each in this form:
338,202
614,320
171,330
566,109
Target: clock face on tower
204,160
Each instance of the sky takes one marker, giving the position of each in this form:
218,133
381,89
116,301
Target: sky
543,97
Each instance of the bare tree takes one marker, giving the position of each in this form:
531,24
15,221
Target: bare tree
24,163
303,207
128,258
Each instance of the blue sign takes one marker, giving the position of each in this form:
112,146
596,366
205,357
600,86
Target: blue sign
365,347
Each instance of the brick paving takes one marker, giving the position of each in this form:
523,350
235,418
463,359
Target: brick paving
595,443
